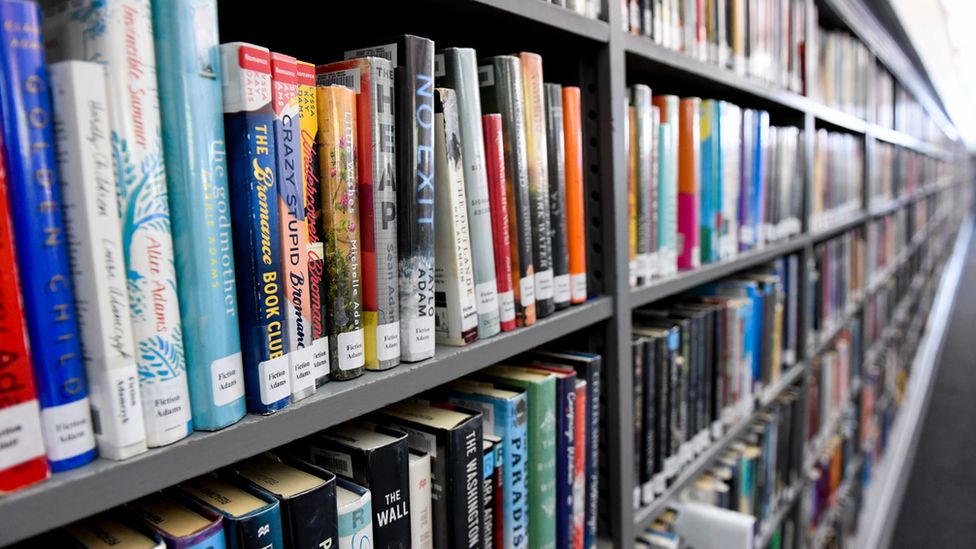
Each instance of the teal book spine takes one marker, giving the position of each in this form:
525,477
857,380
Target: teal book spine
191,104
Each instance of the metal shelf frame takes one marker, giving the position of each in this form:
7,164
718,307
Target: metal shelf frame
610,59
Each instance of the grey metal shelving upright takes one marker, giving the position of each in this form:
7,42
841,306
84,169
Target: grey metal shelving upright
608,60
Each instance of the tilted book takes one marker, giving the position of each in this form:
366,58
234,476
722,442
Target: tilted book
34,200
191,108
459,71
537,168
292,225
308,120
556,149
22,460
575,197
500,80
94,239
421,506
251,517
181,523
340,226
413,63
505,278
455,303
372,80
118,34
249,128
355,514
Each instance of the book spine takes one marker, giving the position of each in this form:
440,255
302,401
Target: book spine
22,460
415,199
689,161
488,503
464,489
653,198
556,152
188,63
565,458
308,120
388,471
421,512
498,501
292,227
537,162
630,151
122,41
648,433
94,242
355,519
249,129
644,145
455,304
460,72
542,452
340,226
575,197
707,205
637,386
579,466
35,205
501,92
505,279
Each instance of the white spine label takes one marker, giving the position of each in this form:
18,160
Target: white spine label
20,434
320,357
227,378
561,288
351,350
577,283
302,370
122,421
388,341
275,381
487,297
527,285
543,284
422,332
67,430
506,306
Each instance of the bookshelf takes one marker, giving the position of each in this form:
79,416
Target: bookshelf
602,59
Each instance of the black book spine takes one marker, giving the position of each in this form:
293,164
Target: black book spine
687,388
464,489
310,519
555,141
387,477
488,507
691,351
701,401
648,448
637,353
712,338
675,400
661,436
498,500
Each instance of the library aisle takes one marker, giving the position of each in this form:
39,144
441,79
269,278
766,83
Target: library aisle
937,510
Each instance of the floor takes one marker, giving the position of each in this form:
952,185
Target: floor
939,509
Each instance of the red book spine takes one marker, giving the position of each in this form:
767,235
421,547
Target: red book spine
22,460
498,204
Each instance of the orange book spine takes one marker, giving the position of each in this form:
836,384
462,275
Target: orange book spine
689,182
575,207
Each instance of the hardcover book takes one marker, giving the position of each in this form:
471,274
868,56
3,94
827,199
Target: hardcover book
118,34
34,202
181,524
460,73
191,109
22,459
500,80
575,197
308,120
251,518
354,503
340,226
505,278
249,128
556,149
107,531
579,467
455,302
292,225
452,436
540,388
306,495
94,239
689,182
537,168
372,80
421,505
667,184
644,144
491,446
413,63
375,457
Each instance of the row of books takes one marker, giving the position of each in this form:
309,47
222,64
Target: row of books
835,485
886,237
836,281
587,8
838,174
844,69
761,39
291,241
700,360
503,458
736,498
706,180
832,379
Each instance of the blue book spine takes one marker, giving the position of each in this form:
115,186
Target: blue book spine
565,458
706,204
188,65
35,203
716,221
249,126
747,236
759,173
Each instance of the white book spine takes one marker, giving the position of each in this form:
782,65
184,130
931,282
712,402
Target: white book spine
94,237
118,34
421,512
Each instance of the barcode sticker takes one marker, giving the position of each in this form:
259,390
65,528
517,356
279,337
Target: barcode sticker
336,462
20,434
419,440
386,51
348,78
439,65
486,76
